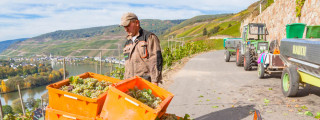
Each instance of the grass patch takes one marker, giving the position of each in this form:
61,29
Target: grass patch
232,31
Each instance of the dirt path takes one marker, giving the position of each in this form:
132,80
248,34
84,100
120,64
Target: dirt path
207,88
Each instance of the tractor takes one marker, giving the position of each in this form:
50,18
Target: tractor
253,44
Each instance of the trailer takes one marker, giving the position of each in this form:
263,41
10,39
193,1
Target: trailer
302,60
269,62
230,46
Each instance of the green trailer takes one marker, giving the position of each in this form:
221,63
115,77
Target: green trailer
230,45
302,60
253,44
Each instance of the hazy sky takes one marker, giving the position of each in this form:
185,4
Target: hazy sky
29,18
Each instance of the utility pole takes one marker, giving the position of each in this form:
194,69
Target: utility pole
260,7
24,113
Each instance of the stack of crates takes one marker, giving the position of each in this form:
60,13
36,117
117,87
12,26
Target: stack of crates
65,105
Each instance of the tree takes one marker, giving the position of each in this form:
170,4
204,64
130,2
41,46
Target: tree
16,106
4,88
7,109
229,25
51,77
215,30
14,81
61,71
204,32
30,103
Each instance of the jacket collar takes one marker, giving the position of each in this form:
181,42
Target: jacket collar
139,34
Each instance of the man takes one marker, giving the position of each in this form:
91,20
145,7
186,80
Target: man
141,51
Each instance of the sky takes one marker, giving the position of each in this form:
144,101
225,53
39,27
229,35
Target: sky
30,18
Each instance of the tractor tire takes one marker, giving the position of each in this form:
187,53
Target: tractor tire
247,61
261,70
227,56
290,79
239,58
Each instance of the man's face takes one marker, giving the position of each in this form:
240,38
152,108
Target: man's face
133,28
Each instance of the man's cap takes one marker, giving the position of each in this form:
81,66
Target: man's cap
125,19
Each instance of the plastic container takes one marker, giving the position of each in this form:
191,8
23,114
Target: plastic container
121,106
52,114
77,104
313,31
295,30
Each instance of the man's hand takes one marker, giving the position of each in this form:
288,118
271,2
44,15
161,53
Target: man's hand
155,83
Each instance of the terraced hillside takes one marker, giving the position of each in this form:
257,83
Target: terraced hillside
69,42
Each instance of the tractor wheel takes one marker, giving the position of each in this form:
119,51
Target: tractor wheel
261,70
238,58
247,63
227,56
290,81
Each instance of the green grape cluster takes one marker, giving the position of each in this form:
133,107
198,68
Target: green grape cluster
88,87
145,96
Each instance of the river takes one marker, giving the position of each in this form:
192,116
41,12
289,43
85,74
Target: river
73,69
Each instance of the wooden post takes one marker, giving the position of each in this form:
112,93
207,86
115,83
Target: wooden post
100,61
96,67
24,113
64,68
110,68
42,107
119,54
175,44
1,113
168,42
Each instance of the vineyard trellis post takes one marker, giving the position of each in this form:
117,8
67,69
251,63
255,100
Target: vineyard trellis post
1,113
64,68
24,113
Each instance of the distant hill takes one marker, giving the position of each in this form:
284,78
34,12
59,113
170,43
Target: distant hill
68,42
5,44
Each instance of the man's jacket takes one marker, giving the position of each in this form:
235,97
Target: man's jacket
143,57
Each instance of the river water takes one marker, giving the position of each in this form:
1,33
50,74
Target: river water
73,69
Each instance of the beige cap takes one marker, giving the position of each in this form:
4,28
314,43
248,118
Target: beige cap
125,19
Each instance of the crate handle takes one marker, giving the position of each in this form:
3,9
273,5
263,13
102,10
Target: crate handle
69,117
131,101
71,97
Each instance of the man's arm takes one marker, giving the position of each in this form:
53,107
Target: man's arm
155,59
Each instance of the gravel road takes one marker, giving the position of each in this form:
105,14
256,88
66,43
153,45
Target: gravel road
207,88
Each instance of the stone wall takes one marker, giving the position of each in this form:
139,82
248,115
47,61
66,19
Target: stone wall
282,12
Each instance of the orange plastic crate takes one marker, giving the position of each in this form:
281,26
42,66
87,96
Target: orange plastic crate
120,106
77,104
52,114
